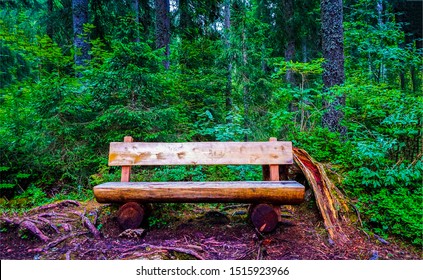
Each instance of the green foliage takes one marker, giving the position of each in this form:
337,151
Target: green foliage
396,211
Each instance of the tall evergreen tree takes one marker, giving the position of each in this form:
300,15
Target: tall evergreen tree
50,29
80,17
227,24
288,15
163,29
333,53
135,10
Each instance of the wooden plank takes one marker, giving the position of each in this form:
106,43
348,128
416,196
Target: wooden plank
282,192
274,168
126,170
200,153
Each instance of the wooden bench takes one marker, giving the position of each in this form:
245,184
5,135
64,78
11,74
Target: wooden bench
265,196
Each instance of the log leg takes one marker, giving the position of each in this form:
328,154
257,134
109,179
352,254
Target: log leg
130,215
278,212
264,217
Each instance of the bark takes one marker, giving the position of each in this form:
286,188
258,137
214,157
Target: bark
245,80
146,18
379,8
87,223
304,49
163,29
135,9
414,79
50,29
30,226
227,22
333,53
333,205
80,17
184,18
288,10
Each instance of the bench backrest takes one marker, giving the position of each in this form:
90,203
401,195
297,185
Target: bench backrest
200,153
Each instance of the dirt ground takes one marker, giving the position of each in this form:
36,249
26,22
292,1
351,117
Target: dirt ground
89,231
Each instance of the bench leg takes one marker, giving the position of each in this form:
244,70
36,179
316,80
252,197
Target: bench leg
264,217
131,215
277,209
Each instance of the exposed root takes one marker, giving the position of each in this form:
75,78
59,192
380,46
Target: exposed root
63,203
31,227
50,224
133,252
68,255
63,238
36,222
87,223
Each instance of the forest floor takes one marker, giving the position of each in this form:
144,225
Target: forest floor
68,230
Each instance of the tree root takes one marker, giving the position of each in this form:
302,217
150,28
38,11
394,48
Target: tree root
31,227
133,251
87,223
62,203
56,242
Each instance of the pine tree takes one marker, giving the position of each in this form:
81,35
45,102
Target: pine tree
333,53
80,17
163,29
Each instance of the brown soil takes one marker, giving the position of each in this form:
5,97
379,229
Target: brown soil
196,232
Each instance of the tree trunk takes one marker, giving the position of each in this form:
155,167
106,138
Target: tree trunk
245,81
288,13
333,53
80,17
184,18
304,49
379,8
146,19
227,22
163,29
135,9
50,29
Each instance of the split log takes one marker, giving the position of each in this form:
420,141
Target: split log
330,201
130,215
264,217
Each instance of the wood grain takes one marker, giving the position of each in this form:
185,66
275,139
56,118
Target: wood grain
126,170
280,192
200,153
264,217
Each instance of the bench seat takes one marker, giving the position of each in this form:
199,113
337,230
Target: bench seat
278,192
